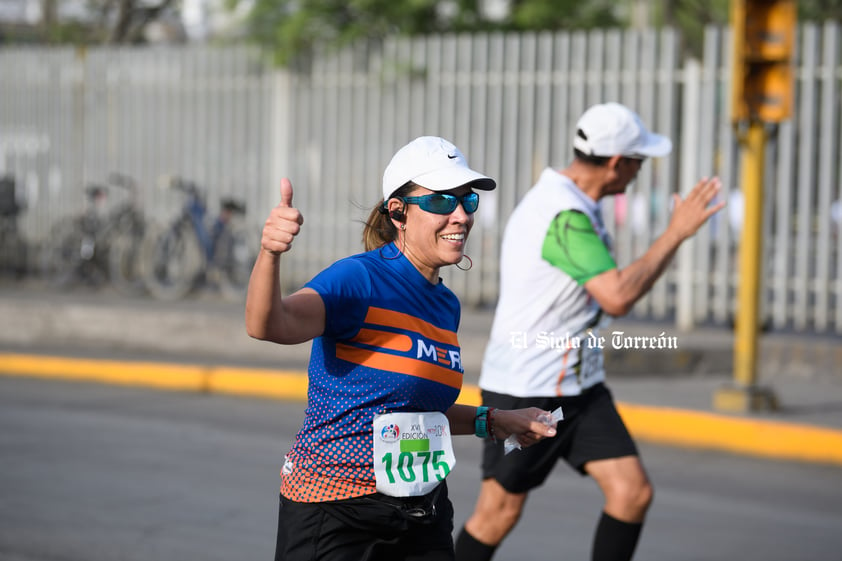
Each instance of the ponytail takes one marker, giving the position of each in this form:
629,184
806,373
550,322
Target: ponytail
379,229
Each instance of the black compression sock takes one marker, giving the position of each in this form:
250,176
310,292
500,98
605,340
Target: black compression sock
468,548
614,540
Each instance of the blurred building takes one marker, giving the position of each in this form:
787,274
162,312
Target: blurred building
31,12
191,20
208,19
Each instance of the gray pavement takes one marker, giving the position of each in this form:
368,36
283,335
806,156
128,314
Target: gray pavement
94,472
803,371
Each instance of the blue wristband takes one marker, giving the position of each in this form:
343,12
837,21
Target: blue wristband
481,422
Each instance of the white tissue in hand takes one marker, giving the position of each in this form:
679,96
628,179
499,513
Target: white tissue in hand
510,444
552,418
548,419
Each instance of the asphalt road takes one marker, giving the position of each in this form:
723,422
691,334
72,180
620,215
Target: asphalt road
93,472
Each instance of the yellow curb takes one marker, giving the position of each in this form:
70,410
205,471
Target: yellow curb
757,437
220,379
259,383
661,425
147,374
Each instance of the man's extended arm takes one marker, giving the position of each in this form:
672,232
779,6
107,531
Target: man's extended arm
617,290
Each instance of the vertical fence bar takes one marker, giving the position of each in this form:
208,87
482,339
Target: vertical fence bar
494,150
625,246
527,97
363,194
836,300
544,103
783,260
418,76
594,71
446,127
724,267
685,258
562,119
643,185
379,150
614,209
704,166
663,169
806,179
481,141
466,283
435,87
401,74
827,149
347,230
577,80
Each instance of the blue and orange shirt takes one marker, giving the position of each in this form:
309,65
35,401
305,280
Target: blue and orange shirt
389,345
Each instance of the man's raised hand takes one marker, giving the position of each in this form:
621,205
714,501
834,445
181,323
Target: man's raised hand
689,214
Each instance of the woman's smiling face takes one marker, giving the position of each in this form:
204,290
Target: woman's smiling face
431,241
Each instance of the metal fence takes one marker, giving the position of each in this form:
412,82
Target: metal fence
224,118
70,118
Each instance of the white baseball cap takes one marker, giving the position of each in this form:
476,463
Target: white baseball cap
611,129
434,163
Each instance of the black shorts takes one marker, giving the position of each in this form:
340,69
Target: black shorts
370,528
591,430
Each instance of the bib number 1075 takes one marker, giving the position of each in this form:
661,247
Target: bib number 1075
412,452
408,465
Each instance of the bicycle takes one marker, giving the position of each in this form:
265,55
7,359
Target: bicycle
188,252
13,248
128,229
98,245
75,247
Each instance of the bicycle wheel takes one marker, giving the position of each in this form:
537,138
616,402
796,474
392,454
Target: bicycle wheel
124,256
13,249
172,262
234,256
66,252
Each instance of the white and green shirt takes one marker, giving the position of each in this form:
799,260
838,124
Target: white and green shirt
545,336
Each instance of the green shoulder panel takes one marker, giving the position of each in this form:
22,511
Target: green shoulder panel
572,245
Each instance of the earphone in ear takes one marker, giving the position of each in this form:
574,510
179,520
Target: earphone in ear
397,215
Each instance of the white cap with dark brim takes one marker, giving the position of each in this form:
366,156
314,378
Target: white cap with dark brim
612,129
434,163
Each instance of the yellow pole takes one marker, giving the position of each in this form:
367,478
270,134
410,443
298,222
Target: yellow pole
743,395
745,347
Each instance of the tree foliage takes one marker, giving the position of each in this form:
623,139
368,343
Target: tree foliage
290,28
293,27
819,10
691,17
542,15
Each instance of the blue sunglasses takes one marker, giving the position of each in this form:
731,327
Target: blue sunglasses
440,203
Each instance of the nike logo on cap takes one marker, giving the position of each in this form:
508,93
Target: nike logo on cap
452,156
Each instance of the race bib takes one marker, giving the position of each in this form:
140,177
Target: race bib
412,453
590,367
591,363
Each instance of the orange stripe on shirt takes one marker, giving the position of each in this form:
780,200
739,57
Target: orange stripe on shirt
398,320
384,339
400,364
562,373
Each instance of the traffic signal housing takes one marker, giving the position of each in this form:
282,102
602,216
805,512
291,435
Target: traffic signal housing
763,40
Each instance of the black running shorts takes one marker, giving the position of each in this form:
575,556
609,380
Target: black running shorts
591,430
370,528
